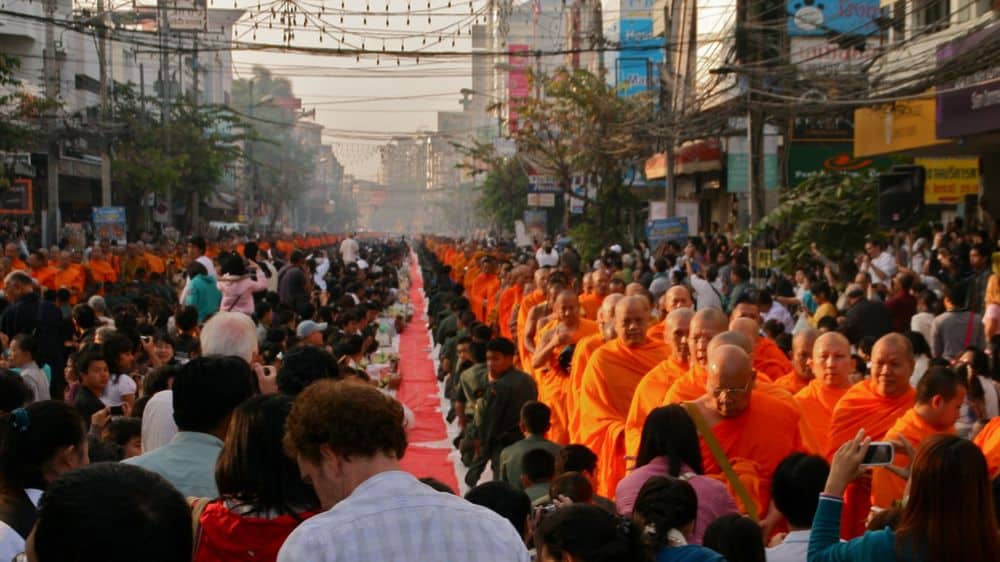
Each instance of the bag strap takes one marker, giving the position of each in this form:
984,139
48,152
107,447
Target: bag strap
968,329
720,457
197,508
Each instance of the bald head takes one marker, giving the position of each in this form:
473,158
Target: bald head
731,338
746,326
632,320
678,296
678,328
802,346
567,307
892,365
634,289
602,280
730,380
705,325
831,361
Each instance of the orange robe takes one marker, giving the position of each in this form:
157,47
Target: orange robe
155,264
649,396
770,360
509,297
17,264
988,439
591,303
816,402
553,382
609,383
484,288
887,487
861,407
754,447
689,386
791,382
46,276
585,348
657,331
73,278
527,303
102,272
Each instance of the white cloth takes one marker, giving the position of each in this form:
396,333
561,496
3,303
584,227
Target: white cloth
207,262
349,250
923,323
795,548
780,313
705,294
116,389
322,267
920,366
551,258
392,517
158,427
887,265
11,543
38,382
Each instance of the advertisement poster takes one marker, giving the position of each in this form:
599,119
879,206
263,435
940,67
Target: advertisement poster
948,180
109,223
665,230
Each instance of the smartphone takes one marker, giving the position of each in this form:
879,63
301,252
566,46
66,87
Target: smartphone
880,453
146,339
116,411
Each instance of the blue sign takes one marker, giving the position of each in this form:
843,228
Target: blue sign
673,229
825,17
638,62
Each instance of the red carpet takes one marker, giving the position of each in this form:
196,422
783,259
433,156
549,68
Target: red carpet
427,454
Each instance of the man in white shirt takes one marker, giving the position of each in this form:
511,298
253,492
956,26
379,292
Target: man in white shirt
547,256
795,488
375,511
349,249
878,263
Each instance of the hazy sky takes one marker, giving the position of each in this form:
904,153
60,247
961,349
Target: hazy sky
362,103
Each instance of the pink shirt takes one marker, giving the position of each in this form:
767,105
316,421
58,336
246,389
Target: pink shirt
714,500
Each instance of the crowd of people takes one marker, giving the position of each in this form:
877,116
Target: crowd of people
234,399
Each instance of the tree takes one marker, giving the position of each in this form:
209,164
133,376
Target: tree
281,166
20,112
503,195
834,211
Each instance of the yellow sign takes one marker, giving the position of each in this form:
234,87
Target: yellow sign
949,180
903,125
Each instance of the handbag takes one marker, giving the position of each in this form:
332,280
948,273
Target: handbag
198,506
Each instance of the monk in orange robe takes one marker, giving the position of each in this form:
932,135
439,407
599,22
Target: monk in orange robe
705,325
519,277
832,366
601,279
768,359
41,271
873,405
484,288
13,252
755,430
155,263
536,296
71,276
678,296
101,270
609,383
654,386
940,395
802,347
541,313
585,349
565,329
988,439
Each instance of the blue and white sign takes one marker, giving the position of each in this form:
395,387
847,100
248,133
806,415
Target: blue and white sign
824,17
665,230
639,60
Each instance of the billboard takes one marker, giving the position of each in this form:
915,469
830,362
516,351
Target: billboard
948,180
185,15
17,198
807,159
971,104
518,85
665,230
817,18
109,224
636,63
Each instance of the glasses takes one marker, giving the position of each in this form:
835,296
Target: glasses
732,392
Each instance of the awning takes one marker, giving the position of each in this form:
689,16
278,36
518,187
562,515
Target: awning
699,156
656,166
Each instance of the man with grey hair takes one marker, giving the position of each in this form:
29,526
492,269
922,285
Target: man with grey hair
100,307
23,316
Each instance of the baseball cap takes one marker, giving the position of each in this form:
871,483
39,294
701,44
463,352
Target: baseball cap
307,328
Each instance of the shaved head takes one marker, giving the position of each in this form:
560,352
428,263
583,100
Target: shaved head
892,365
602,280
678,327
606,315
831,361
567,307
748,327
730,380
634,289
802,346
678,296
632,320
732,338
705,325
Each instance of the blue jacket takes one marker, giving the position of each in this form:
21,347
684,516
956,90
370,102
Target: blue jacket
825,545
204,295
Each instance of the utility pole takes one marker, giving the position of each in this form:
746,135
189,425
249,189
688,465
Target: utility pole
252,197
102,57
165,90
51,93
195,198
755,120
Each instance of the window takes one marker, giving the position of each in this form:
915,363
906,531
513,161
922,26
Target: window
931,15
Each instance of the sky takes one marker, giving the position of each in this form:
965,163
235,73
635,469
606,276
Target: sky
362,103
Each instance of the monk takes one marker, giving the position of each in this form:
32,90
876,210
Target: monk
988,439
484,287
44,273
678,296
940,395
587,284
541,313
564,330
591,302
528,302
585,348
519,277
802,347
753,429
705,325
873,405
101,270
768,359
70,276
654,386
13,252
832,366
609,383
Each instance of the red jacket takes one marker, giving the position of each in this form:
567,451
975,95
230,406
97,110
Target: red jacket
229,537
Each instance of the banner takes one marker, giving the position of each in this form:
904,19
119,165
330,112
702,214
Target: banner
666,230
109,223
949,180
847,17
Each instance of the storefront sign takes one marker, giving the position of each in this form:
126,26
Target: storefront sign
664,230
109,224
807,159
949,180
831,58
970,104
904,125
821,17
541,199
738,162
17,199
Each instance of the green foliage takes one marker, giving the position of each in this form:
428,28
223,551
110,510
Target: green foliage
503,195
19,111
832,210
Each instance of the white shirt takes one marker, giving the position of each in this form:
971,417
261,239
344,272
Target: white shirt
780,313
38,382
705,294
322,267
887,265
392,517
158,427
795,548
116,389
349,250
551,258
11,543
